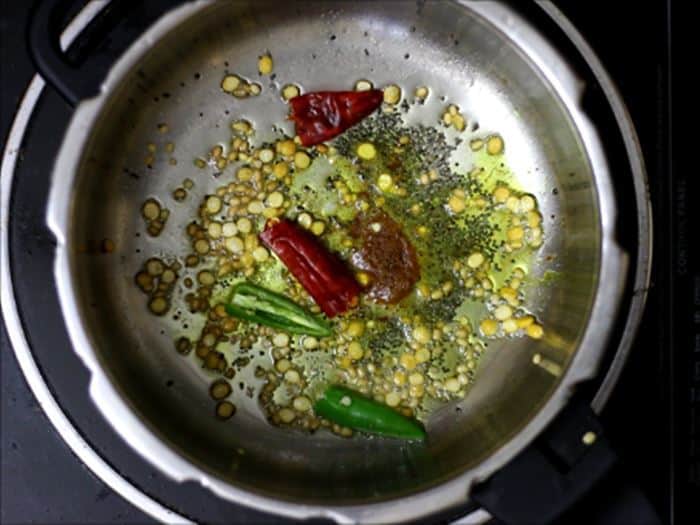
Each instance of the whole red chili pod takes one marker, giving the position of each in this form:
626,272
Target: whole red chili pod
320,272
322,115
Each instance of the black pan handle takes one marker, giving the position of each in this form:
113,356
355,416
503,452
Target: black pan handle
561,475
64,71
77,73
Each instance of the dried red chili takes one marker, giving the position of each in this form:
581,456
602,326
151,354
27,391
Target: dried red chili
323,115
320,272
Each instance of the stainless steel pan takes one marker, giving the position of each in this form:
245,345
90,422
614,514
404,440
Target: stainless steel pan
479,55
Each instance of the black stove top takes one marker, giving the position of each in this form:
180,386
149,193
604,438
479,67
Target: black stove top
651,419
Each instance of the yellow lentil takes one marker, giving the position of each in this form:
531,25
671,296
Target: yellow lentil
408,361
534,331
355,328
244,225
301,160
366,151
392,94
510,326
283,365
151,209
301,404
201,246
234,244
494,145
475,260
317,228
230,83
456,204
286,148
384,182
290,91
488,327
393,399
416,379
503,312
310,343
452,385
260,254
399,378
421,334
422,355
422,92
304,220
292,376
265,64
286,415
355,350
280,340
363,85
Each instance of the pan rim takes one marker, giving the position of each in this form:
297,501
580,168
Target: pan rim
181,470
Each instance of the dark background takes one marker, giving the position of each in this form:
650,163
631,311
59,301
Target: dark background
651,421
41,480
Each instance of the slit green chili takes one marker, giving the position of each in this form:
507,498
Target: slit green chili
351,409
259,305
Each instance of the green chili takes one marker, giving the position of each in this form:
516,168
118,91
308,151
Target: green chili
259,305
350,409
